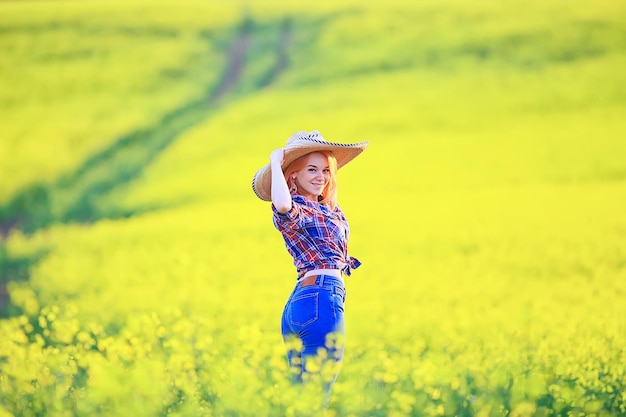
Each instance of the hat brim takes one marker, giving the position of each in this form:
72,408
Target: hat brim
344,153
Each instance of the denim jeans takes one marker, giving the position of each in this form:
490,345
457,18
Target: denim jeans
313,329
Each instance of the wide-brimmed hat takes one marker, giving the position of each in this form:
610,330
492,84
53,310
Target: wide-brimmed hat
299,144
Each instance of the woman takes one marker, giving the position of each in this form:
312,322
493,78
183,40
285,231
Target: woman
301,183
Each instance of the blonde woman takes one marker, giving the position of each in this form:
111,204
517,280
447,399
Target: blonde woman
301,183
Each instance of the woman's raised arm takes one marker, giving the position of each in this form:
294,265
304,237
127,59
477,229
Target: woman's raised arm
281,198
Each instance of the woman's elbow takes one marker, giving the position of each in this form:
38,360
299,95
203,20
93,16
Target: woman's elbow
283,207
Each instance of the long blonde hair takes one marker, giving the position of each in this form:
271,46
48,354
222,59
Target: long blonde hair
329,193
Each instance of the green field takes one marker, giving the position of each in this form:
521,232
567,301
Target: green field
140,275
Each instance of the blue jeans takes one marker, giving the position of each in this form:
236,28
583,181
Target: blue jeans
314,330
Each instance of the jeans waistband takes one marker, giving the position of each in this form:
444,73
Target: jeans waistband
326,282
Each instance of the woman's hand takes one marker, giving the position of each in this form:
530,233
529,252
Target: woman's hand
277,156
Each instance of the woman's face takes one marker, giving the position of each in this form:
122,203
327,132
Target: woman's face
312,179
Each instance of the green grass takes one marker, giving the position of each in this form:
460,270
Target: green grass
146,278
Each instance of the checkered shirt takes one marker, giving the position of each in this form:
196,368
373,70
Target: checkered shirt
315,236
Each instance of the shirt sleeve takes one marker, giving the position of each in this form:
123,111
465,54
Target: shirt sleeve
291,219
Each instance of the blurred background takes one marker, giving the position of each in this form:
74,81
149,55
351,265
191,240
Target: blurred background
140,275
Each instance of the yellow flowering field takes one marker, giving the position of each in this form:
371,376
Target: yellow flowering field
144,278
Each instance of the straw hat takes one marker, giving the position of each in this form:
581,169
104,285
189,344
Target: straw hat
299,144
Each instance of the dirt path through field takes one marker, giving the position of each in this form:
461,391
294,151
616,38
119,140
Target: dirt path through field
83,189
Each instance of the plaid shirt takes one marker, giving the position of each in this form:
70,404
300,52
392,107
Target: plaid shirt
316,236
